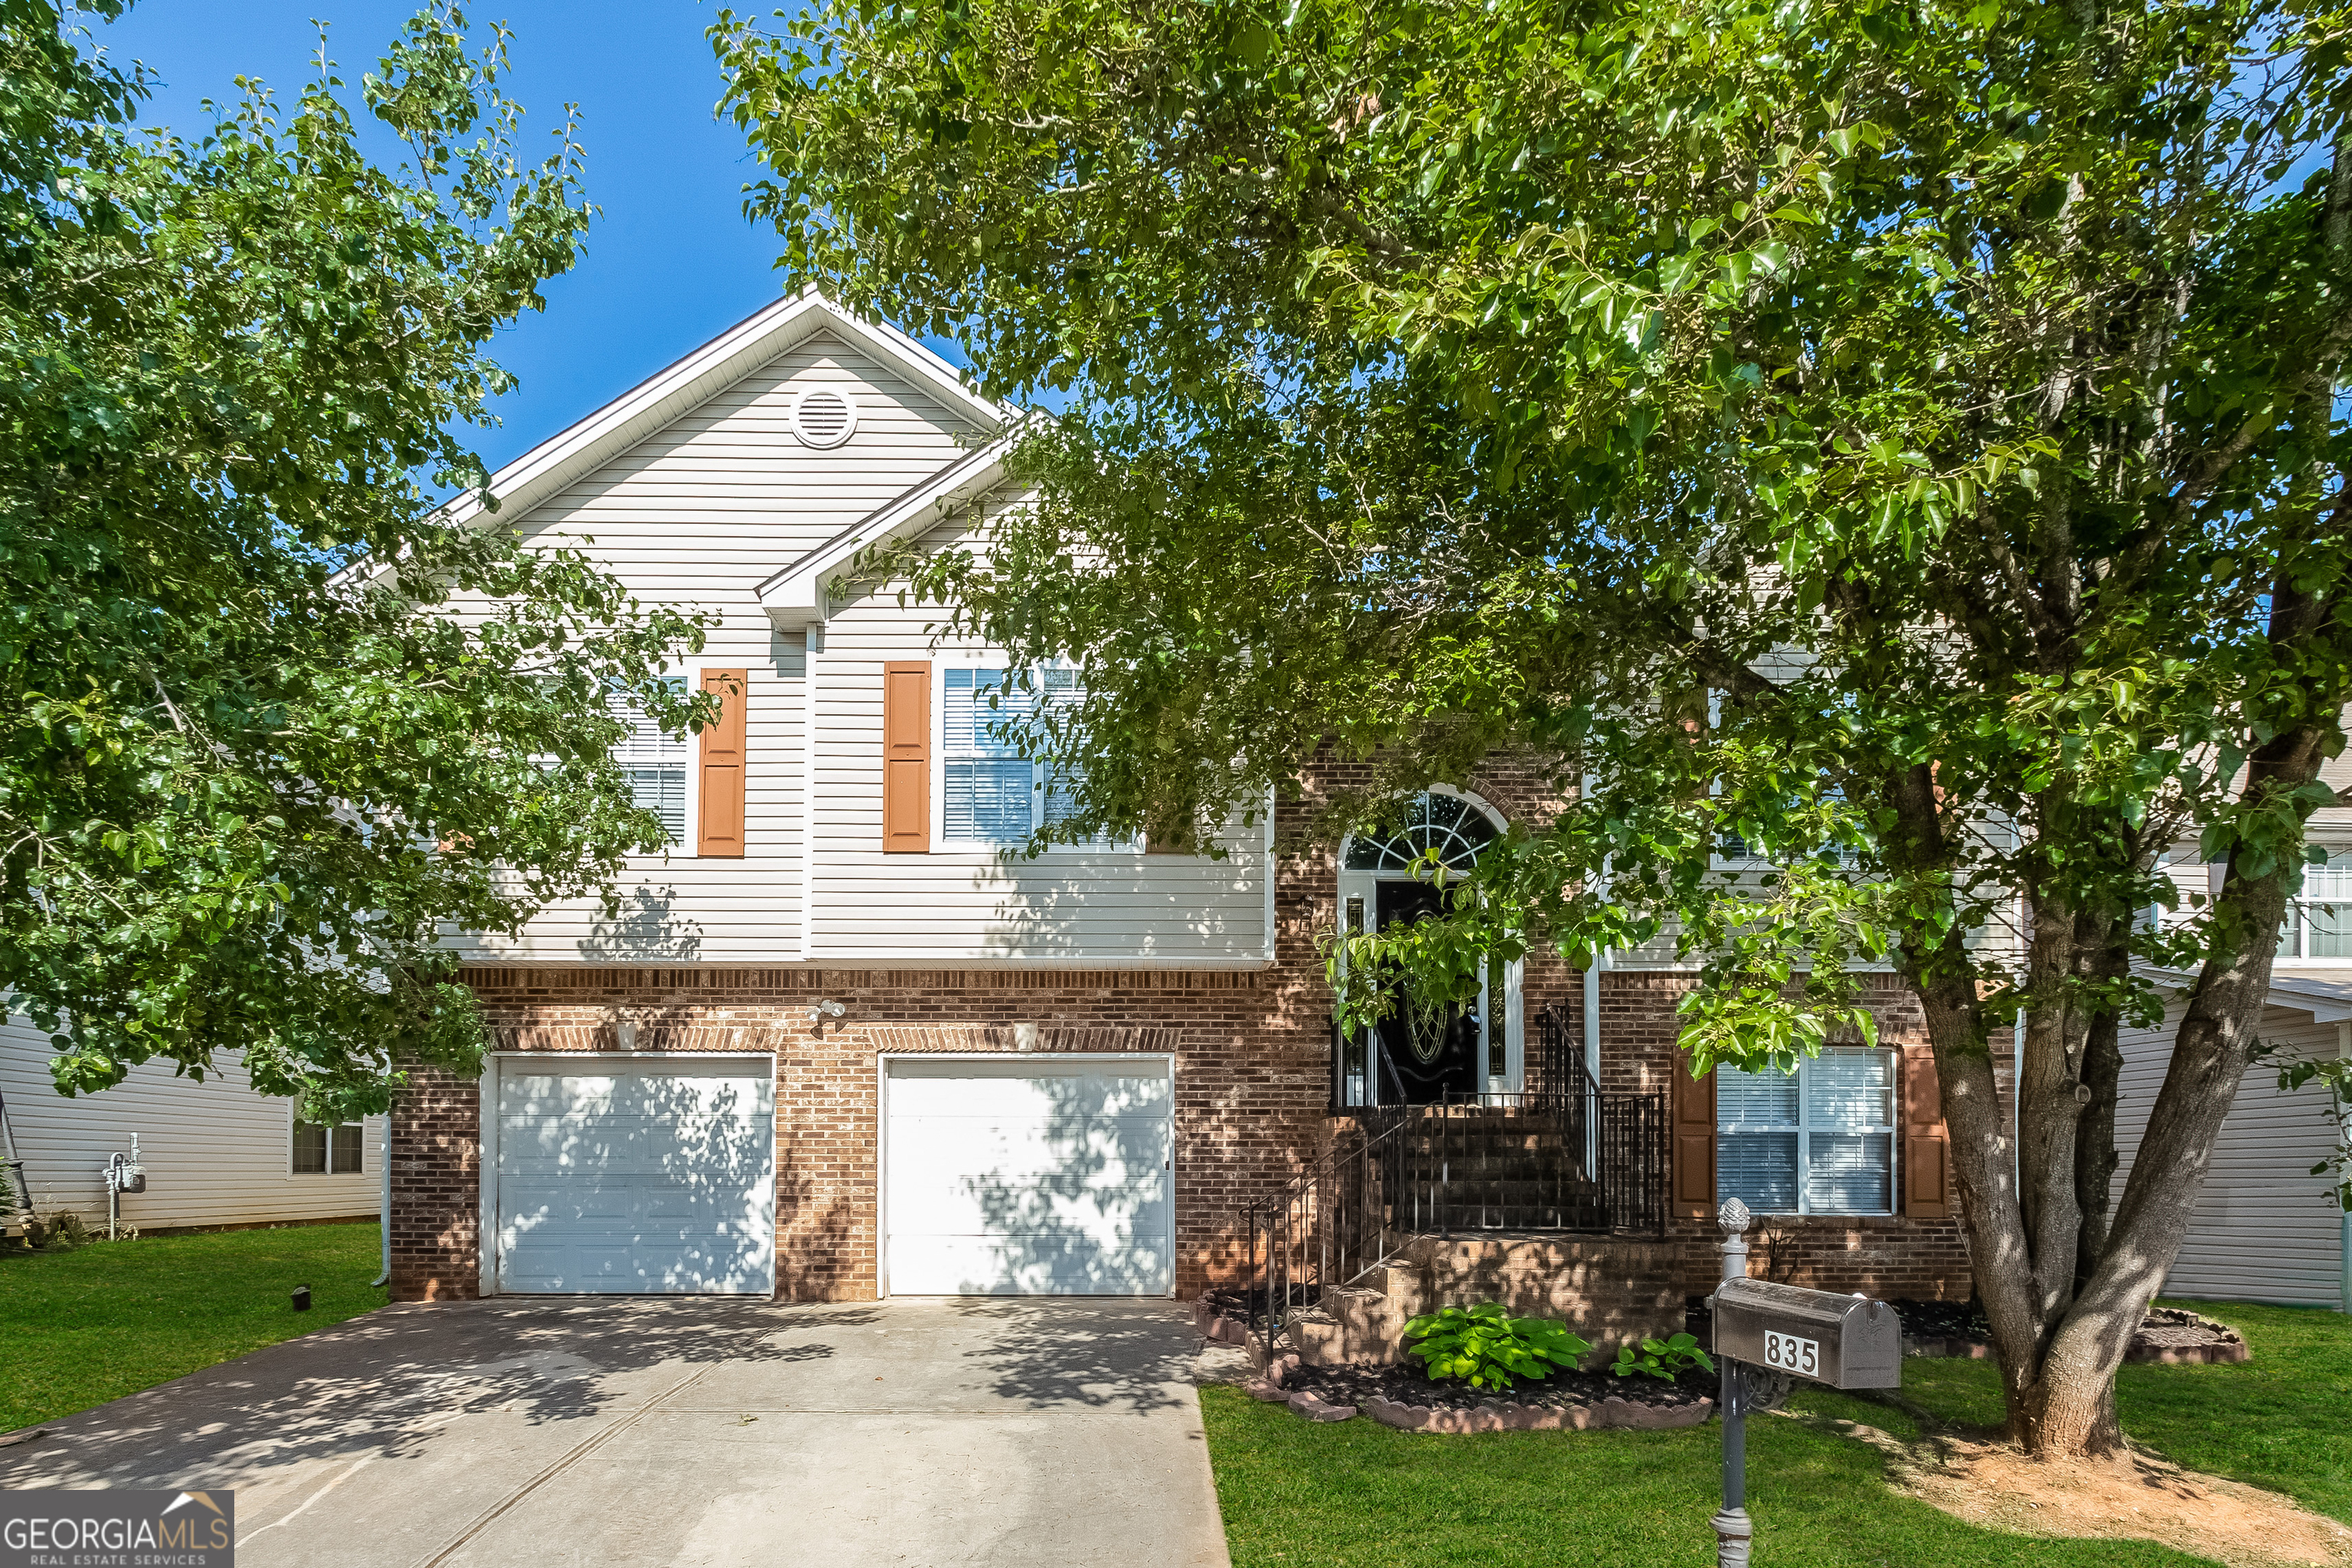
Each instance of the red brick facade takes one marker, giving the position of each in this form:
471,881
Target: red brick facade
1251,1070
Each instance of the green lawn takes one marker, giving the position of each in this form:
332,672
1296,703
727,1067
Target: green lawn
2282,1420
79,1328
1362,1494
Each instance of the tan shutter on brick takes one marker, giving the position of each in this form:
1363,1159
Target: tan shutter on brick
1926,1144
906,757
1692,1111
720,825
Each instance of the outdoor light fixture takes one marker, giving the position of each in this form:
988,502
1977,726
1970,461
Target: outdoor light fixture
826,1009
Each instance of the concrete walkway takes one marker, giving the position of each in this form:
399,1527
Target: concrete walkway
621,1432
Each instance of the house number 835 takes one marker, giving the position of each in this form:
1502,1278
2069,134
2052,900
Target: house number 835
1792,1355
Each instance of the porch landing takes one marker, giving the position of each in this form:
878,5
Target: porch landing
1606,1289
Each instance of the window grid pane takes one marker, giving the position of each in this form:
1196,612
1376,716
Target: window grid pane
310,1149
344,1150
987,802
1760,1169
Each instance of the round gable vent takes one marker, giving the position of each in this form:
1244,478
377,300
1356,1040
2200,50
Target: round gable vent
823,417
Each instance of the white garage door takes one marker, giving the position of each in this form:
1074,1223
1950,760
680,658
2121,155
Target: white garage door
1030,1177
631,1176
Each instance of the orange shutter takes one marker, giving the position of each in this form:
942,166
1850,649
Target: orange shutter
906,757
1926,1146
1692,1108
720,830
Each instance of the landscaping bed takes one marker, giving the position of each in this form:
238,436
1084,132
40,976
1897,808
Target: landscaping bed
1403,1385
2168,1335
1404,1397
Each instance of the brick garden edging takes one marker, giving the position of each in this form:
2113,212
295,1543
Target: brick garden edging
1496,1416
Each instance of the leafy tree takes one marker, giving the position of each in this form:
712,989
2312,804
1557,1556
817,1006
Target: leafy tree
254,761
1906,438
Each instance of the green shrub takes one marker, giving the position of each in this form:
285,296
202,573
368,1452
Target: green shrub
1489,1348
1661,1359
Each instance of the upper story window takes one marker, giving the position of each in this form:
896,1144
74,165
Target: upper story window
2318,923
657,765
327,1150
990,793
1819,1141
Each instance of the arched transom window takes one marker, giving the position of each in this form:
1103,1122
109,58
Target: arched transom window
1447,824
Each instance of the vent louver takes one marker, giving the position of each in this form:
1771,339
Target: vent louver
823,417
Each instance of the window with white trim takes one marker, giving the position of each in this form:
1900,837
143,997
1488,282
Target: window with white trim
328,1151
2318,923
657,765
990,793
1818,1140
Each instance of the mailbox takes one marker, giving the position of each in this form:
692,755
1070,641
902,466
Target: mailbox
1846,1341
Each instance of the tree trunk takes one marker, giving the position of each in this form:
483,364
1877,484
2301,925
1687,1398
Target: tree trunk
2061,1298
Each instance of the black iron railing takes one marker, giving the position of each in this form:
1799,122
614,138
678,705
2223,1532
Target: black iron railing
1565,1159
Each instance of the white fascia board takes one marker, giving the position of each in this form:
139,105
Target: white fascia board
796,596
676,389
2321,1001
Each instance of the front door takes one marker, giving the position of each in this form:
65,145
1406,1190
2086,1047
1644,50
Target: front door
1427,1054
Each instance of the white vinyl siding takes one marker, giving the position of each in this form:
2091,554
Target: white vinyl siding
2265,1228
700,515
215,1152
1821,1141
1082,905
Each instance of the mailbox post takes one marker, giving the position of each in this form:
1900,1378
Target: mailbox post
1844,1342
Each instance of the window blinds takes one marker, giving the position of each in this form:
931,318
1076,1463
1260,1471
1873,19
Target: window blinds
1821,1142
657,765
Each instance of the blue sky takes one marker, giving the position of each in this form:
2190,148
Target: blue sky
672,262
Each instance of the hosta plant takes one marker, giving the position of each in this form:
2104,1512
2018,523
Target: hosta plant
1490,1348
1662,1359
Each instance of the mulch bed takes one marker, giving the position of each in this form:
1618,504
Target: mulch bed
1959,1329
1359,1386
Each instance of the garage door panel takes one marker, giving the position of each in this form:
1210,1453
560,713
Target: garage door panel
657,1179
1029,1178
975,1266
1010,1091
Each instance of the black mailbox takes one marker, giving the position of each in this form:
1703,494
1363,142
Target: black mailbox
1846,1341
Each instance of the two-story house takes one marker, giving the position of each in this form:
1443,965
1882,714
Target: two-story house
843,1041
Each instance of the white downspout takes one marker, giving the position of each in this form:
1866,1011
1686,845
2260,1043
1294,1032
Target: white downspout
385,1159
1592,1015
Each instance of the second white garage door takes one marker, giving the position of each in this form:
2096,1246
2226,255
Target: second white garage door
1029,1176
637,1175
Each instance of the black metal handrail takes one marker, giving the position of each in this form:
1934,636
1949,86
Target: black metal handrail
1582,1163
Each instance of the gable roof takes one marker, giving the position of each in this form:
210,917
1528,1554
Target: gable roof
796,595
676,389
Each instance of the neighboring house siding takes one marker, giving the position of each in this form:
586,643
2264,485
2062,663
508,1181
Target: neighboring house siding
2264,1230
216,1154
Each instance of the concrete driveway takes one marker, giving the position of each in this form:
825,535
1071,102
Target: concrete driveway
616,1431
